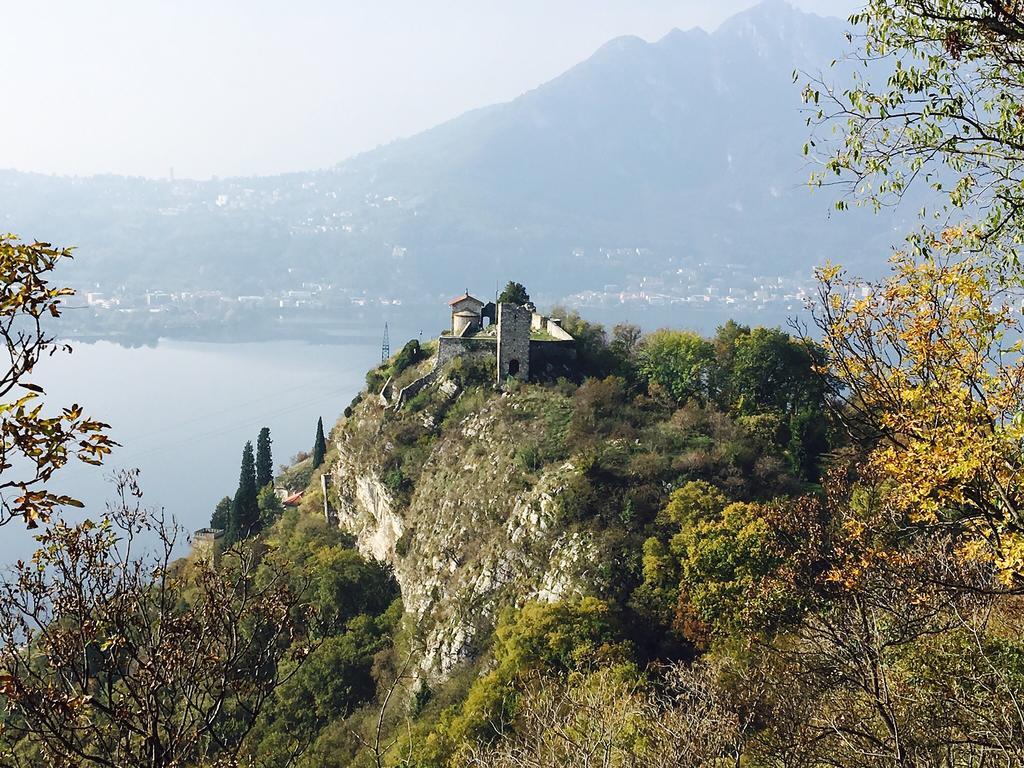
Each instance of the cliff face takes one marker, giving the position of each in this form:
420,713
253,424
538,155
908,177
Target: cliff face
449,491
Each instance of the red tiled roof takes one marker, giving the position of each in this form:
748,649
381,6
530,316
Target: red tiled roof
293,500
463,297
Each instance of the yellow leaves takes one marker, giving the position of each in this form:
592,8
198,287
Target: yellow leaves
927,361
829,272
1010,558
952,235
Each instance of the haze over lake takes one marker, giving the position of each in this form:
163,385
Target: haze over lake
182,412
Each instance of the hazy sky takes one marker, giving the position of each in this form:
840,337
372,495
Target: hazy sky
235,87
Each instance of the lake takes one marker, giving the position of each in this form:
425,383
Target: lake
182,412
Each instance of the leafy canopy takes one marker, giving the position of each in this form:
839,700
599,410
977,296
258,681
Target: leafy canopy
514,293
933,377
679,362
34,445
939,100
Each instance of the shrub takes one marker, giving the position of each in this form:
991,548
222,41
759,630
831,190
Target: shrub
404,543
394,480
470,370
409,355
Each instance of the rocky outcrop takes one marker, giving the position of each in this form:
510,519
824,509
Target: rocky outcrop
479,532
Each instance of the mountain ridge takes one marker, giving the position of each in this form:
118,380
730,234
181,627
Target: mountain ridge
686,149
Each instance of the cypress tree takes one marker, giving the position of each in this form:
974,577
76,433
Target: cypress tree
244,519
221,514
319,444
264,459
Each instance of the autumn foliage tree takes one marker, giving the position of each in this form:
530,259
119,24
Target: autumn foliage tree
34,443
933,388
110,656
609,718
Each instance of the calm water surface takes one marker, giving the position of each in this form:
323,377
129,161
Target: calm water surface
183,411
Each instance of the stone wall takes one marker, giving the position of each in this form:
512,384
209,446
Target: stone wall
448,348
555,329
552,358
513,342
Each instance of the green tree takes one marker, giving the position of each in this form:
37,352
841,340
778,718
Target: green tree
514,293
808,441
772,371
34,445
680,362
221,516
319,444
939,102
264,459
408,355
625,339
344,585
562,637
624,345
270,505
725,340
593,356
335,679
244,519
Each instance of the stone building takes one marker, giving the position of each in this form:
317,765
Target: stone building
524,344
207,543
514,331
466,315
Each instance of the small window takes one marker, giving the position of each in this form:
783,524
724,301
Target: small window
513,367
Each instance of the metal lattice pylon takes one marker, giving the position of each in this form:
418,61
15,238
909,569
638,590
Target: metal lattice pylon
385,347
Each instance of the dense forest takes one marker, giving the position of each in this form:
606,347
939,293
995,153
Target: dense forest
796,548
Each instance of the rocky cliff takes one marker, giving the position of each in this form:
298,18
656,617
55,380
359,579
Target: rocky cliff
452,490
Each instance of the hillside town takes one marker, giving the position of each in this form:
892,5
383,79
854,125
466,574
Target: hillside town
110,310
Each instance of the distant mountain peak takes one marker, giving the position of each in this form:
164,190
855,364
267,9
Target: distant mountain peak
777,29
682,36
644,147
623,43
767,15
776,13
772,8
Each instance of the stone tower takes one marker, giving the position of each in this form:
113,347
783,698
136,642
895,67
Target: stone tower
207,543
513,342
